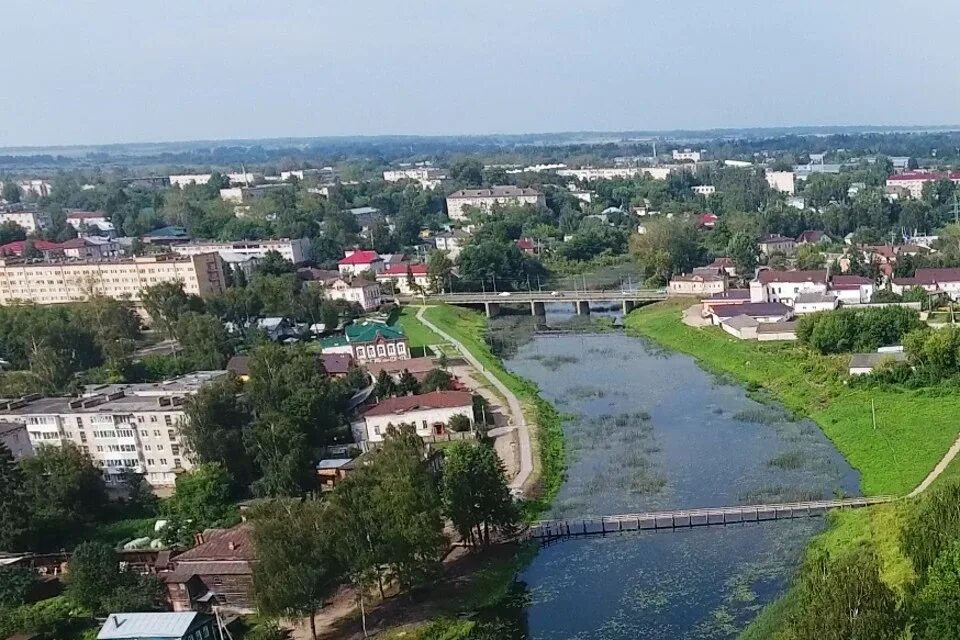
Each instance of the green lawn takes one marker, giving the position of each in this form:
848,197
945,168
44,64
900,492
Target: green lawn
418,334
914,427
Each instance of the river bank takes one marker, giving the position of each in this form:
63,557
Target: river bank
913,430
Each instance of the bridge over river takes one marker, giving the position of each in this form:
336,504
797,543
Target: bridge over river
547,530
493,301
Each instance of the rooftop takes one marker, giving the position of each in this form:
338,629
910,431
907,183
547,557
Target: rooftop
755,309
814,298
777,327
150,626
404,269
494,192
871,360
426,401
741,322
360,257
769,275
222,545
730,294
368,331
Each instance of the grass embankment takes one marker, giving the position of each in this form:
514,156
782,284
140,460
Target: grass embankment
914,428
418,334
470,329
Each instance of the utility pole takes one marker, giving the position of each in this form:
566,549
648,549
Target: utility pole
955,209
873,410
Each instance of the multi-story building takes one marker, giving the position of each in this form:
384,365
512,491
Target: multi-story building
31,221
913,181
687,155
124,427
405,278
451,242
785,286
428,177
182,180
369,341
774,243
698,284
95,221
704,189
782,181
296,250
364,292
246,195
486,199
72,281
943,280
14,436
360,261
612,173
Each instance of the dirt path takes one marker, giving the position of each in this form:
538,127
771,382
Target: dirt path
937,470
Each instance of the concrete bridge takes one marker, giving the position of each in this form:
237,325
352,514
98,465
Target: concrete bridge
493,301
547,530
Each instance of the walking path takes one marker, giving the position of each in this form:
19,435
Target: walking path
516,409
937,470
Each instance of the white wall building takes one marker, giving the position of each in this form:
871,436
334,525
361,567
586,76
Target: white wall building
400,275
486,199
686,155
429,413
452,243
611,173
428,177
785,286
31,221
782,181
852,289
814,302
704,189
913,181
131,427
14,436
364,292
296,250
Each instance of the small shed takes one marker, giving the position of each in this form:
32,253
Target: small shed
864,363
742,326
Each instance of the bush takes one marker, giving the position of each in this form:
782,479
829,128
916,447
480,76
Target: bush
847,330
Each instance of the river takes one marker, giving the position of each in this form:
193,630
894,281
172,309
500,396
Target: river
648,429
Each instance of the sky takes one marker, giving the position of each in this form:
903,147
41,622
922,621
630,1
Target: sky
107,71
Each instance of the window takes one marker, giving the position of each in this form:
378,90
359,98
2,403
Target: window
80,422
163,461
175,449
167,420
154,419
401,349
370,352
144,432
156,432
171,434
176,463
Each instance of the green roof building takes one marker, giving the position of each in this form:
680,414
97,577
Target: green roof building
369,341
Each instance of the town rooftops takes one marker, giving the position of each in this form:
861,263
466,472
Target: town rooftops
363,211
730,295
811,237
368,331
222,545
336,363
698,277
777,327
774,238
769,275
360,257
754,309
933,276
849,282
404,269
813,298
741,322
77,214
426,401
148,626
494,192
912,176
722,263
239,365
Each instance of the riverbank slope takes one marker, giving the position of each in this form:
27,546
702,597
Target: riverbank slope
913,428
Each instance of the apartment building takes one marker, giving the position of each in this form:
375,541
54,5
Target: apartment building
913,181
428,177
185,179
30,221
687,155
246,195
71,281
296,250
124,427
782,181
485,199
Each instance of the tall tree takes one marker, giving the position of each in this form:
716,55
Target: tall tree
14,512
166,302
296,568
282,452
669,246
96,582
475,493
204,340
12,192
216,418
439,270
202,500
408,385
743,251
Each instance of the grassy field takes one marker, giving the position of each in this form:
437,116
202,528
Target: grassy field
546,433
914,428
419,335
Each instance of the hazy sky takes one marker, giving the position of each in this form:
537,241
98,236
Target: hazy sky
76,72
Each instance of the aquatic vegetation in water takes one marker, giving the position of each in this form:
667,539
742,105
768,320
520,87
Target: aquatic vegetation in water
788,460
554,362
767,415
780,493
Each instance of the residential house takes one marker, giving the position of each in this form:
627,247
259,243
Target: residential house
277,328
784,286
331,471
813,237
97,222
724,264
337,365
417,367
864,363
429,413
486,199
814,302
14,436
759,311
406,279
369,341
356,262
451,242
358,290
166,625
365,217
782,181
730,296
239,366
852,289
770,331
217,573
770,244
946,281
697,284
707,220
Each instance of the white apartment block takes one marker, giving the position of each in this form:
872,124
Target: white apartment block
74,281
704,190
35,187
428,177
296,250
486,199
686,155
31,221
184,179
782,181
131,427
363,292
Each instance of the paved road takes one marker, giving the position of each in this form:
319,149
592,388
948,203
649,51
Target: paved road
516,410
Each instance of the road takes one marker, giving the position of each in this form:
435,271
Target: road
516,409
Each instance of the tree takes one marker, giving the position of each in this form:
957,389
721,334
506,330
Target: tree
203,339
938,602
668,247
274,264
468,172
14,511
439,270
12,192
743,250
437,380
809,257
385,386
96,582
140,496
296,567
166,302
115,325
459,423
408,384
496,265
475,493
282,452
61,485
15,585
202,500
216,418
11,232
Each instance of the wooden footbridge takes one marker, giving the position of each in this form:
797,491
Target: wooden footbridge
548,530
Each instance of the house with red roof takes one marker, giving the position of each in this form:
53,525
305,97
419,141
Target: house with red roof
527,245
851,289
405,278
430,413
358,261
215,574
945,280
913,181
